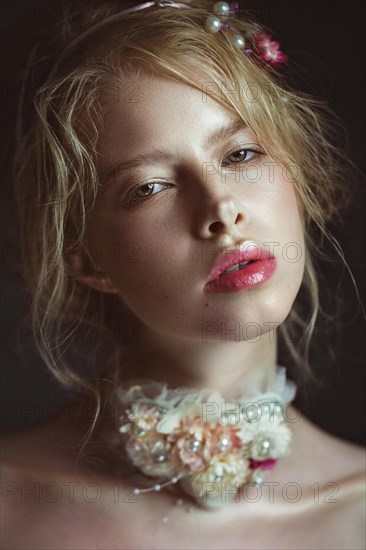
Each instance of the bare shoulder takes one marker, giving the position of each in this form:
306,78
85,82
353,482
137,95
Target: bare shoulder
23,475
42,494
43,491
338,469
344,511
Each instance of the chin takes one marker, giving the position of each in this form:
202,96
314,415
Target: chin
246,323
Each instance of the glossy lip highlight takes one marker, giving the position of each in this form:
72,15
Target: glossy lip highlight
247,251
261,267
254,274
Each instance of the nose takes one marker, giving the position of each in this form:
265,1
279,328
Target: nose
219,213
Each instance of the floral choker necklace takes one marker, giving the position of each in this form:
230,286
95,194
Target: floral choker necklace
196,440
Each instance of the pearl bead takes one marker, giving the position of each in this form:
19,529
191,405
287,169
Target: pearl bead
264,447
224,443
157,487
193,444
136,491
212,24
157,451
257,478
251,412
174,480
140,431
159,457
222,9
239,41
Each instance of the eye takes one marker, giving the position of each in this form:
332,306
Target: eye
244,155
145,191
149,189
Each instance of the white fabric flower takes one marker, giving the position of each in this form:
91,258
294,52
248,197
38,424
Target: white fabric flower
272,428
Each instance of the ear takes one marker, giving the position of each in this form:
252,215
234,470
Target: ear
80,269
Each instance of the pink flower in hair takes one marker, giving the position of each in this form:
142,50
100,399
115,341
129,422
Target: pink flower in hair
268,49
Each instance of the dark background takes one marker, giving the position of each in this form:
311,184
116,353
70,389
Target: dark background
325,44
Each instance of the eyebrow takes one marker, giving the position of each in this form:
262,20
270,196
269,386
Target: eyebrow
224,132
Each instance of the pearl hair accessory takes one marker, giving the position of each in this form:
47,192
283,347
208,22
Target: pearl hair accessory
266,49
194,438
262,46
219,22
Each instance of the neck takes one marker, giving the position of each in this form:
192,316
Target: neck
216,365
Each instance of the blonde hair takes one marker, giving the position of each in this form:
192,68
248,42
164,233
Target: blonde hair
56,180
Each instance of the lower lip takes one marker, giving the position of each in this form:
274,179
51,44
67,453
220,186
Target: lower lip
251,276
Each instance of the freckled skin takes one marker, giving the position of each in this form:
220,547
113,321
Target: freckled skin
170,231
151,257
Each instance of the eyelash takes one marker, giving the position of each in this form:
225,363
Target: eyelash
137,199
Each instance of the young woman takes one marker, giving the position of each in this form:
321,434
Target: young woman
176,190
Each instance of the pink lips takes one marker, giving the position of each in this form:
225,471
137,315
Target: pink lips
261,268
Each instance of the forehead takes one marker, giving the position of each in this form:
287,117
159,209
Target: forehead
145,111
141,88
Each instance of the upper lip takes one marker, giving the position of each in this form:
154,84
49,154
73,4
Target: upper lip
244,252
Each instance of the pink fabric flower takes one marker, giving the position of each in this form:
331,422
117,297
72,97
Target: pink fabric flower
268,49
190,430
197,441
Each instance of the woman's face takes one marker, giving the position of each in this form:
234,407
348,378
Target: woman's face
158,243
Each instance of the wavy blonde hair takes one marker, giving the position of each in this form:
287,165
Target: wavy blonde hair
56,180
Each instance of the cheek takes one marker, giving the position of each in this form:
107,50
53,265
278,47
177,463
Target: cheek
285,205
286,225
115,250
138,257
